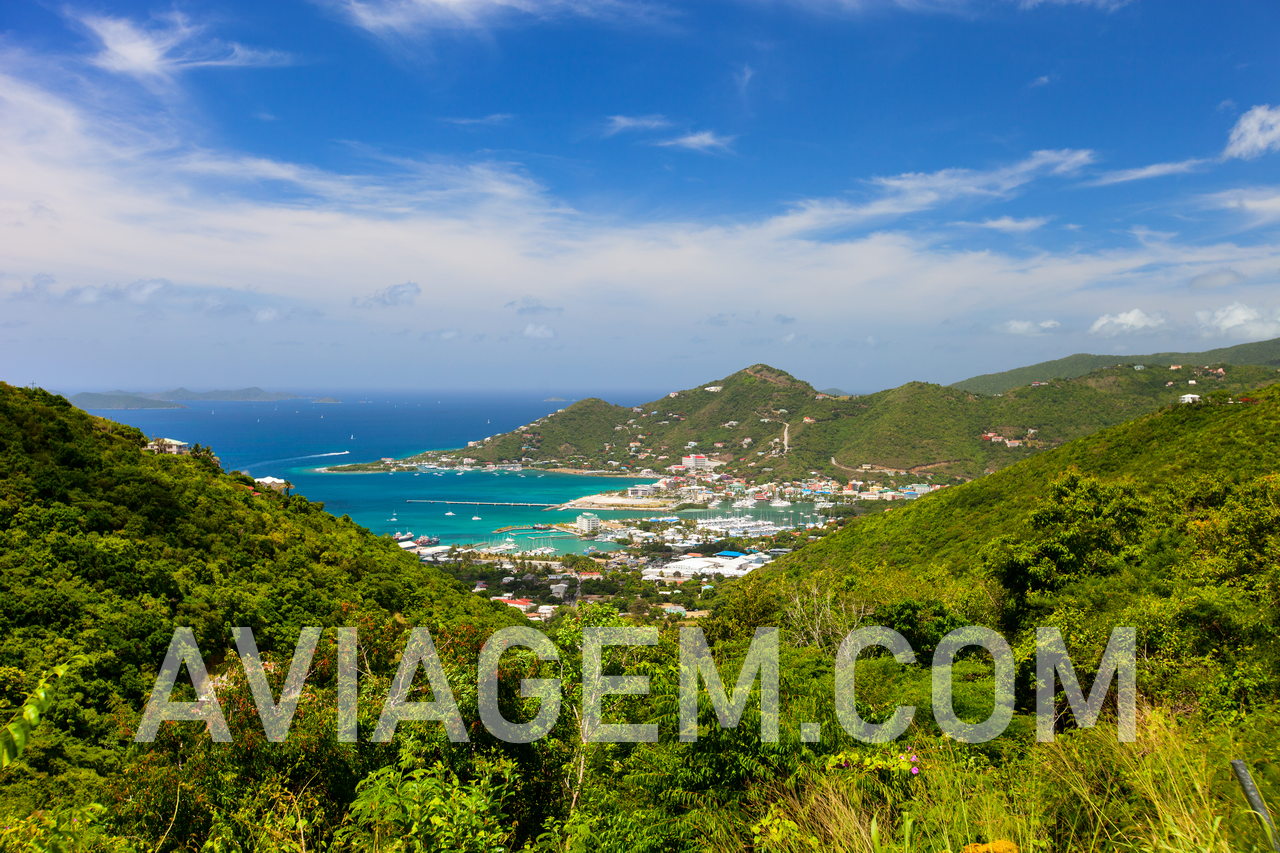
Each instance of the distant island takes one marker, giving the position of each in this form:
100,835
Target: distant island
327,400
174,398
555,400
120,400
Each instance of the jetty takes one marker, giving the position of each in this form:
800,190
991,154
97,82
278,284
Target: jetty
474,503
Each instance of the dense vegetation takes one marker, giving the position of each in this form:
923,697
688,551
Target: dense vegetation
768,425
1170,523
1258,353
105,548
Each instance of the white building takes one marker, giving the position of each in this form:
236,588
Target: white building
169,445
697,462
588,522
1189,398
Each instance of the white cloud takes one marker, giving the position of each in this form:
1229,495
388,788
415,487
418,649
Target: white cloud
409,17
1256,133
246,236
538,331
393,296
620,124
1142,173
703,140
1028,327
900,195
1126,322
1009,224
1042,80
168,45
482,121
1239,321
1105,5
1214,279
1260,205
532,305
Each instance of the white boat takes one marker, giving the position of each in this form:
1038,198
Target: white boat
476,518
744,503
450,512
779,502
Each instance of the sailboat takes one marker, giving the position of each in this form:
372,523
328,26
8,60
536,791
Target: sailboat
450,512
476,518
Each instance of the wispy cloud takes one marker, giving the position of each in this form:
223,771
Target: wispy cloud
1256,133
537,331
1028,327
1259,205
1042,80
702,140
531,305
1126,322
1216,279
165,46
393,296
481,121
1009,224
622,124
264,237
410,17
913,192
1142,173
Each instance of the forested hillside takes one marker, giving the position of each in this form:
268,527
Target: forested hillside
765,424
1258,353
1169,523
104,549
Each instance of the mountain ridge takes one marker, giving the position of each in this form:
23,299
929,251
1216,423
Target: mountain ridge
765,424
1254,353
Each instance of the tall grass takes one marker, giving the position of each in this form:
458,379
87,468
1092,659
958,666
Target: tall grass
1169,792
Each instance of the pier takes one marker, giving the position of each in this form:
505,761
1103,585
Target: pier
474,503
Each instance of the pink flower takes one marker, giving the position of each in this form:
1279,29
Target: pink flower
915,770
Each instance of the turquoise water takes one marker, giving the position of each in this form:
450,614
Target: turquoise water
291,439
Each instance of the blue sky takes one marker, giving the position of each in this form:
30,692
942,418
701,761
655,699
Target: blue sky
494,193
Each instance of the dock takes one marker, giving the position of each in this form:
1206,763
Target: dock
475,503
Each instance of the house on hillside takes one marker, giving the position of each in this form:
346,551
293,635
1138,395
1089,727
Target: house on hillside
168,445
1189,398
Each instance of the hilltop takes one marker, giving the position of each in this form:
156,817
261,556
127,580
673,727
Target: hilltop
765,424
1257,353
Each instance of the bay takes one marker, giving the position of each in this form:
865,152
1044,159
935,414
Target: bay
293,438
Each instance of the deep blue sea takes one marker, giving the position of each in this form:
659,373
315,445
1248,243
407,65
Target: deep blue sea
291,439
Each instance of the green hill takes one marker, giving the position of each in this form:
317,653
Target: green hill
1167,522
1260,352
105,548
765,424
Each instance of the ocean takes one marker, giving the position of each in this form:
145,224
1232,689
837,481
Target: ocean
292,438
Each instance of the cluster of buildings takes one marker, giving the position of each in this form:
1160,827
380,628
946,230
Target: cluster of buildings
725,564
703,486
